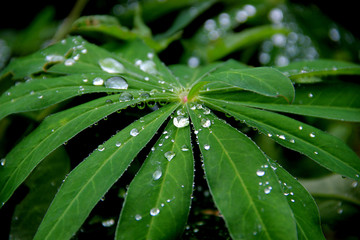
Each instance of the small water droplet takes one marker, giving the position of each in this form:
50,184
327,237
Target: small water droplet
118,144
206,146
54,58
134,132
40,97
300,128
267,190
316,153
169,155
108,223
180,112
205,122
157,174
292,141
116,83
282,137
69,62
193,62
154,211
260,173
101,148
111,65
269,135
98,81
180,121
184,148
310,95
292,200
354,184
84,51
207,111
125,97
148,66
312,135
3,162
138,217
146,78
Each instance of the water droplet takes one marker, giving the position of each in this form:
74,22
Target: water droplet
108,223
260,173
101,148
184,148
169,155
193,62
40,97
118,144
69,62
134,132
154,211
148,66
150,55
312,135
354,184
98,81
180,112
138,217
157,174
292,200
310,95
205,122
276,15
207,111
241,16
250,9
144,96
116,83
300,128
54,58
267,190
125,97
269,135
84,51
146,78
3,162
111,65
292,141
206,146
316,153
282,137
180,121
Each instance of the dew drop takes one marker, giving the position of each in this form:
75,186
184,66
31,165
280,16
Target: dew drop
180,112
110,65
180,121
154,211
134,132
138,217
300,128
54,58
3,162
193,62
108,223
157,174
292,141
316,153
98,81
69,62
148,67
118,144
312,135
169,155
281,137
260,173
184,148
101,148
205,122
206,146
269,135
207,111
267,190
310,95
292,200
116,83
125,97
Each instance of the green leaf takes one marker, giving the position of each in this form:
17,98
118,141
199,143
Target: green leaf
52,132
323,148
263,80
244,188
340,101
93,177
319,67
158,199
302,205
43,184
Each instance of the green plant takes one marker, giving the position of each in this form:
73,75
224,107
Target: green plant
188,109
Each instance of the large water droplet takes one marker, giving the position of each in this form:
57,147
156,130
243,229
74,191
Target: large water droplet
116,83
205,122
98,81
125,97
138,217
181,121
260,173
157,174
148,66
169,155
154,211
110,65
134,132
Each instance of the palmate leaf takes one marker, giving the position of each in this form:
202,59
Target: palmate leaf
339,101
244,188
52,132
158,199
323,148
92,178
